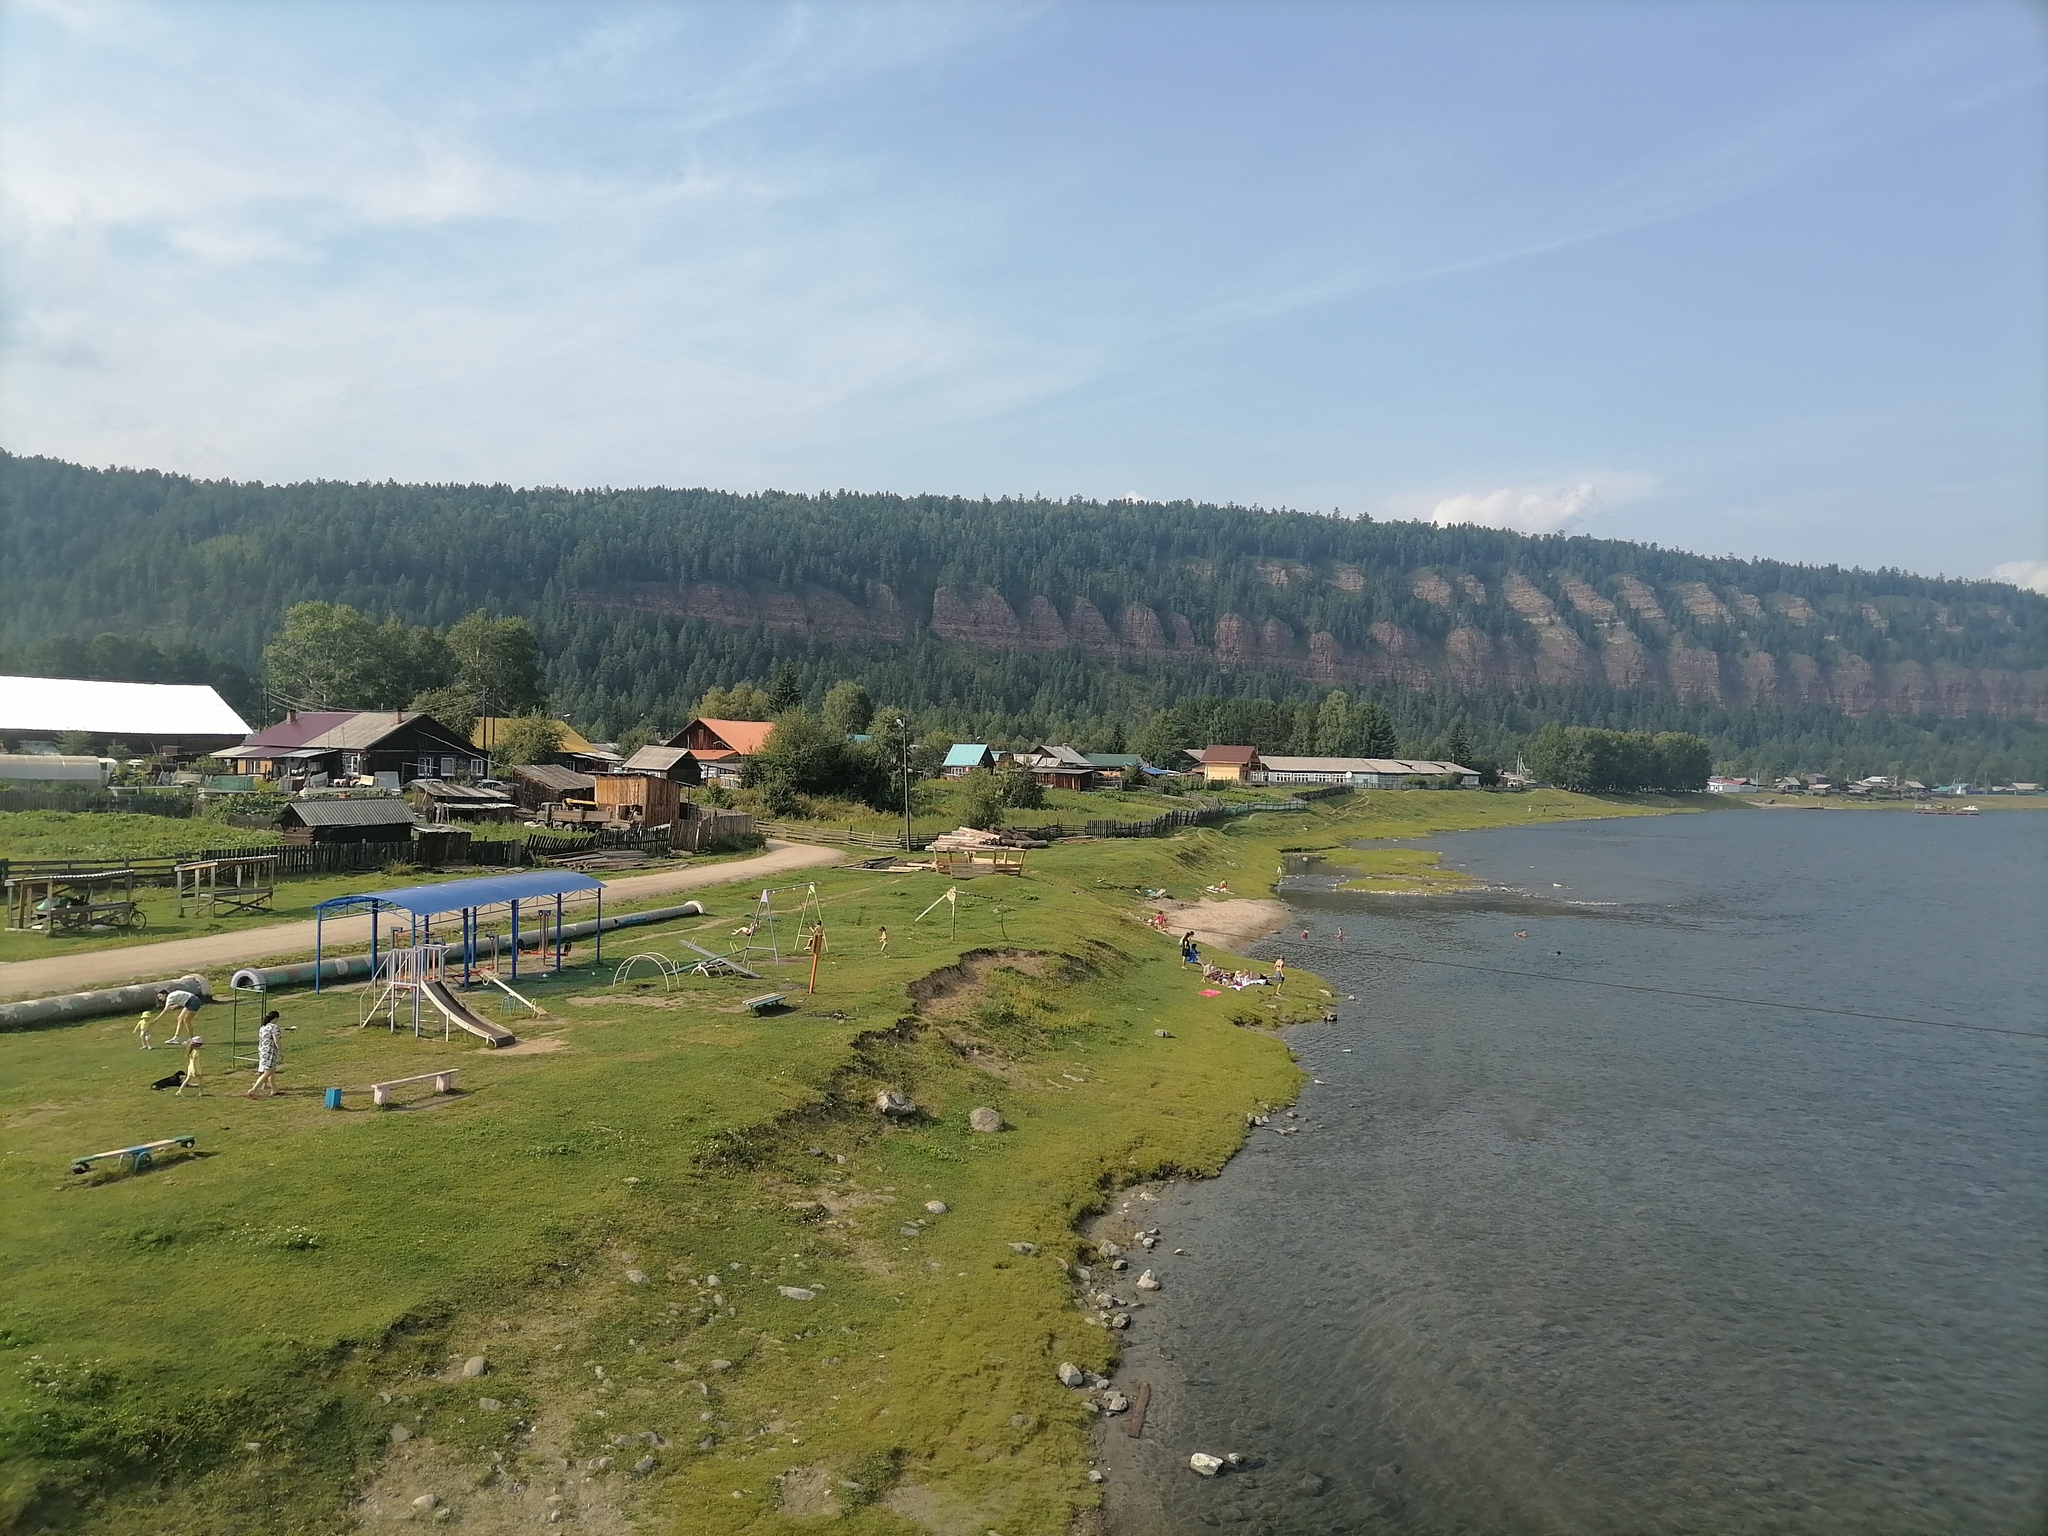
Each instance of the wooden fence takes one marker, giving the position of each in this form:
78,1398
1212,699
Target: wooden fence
144,802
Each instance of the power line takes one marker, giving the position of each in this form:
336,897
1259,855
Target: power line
1709,997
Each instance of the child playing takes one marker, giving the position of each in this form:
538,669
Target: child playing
191,1079
885,941
142,1028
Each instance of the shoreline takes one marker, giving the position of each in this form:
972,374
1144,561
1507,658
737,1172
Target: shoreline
1109,1072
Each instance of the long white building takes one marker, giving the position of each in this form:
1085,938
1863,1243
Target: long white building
169,719
1358,772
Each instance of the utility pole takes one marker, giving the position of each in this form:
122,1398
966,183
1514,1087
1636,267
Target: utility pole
904,730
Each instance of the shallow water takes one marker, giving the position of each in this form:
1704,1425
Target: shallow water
1552,1257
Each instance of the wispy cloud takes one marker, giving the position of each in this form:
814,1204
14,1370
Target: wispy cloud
1525,509
2031,574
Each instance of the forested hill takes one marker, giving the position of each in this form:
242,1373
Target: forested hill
644,597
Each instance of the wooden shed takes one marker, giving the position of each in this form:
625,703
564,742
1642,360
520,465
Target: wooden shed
346,821
637,798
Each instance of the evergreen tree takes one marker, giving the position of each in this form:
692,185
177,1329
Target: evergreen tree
786,692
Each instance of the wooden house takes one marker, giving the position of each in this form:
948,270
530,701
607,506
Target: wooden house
678,765
722,747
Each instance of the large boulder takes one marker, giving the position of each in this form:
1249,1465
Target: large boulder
984,1119
897,1106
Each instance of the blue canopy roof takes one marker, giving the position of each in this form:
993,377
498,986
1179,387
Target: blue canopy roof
966,754
422,900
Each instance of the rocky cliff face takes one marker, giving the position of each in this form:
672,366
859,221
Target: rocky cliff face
1723,645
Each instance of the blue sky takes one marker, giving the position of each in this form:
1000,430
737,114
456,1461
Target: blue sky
1764,279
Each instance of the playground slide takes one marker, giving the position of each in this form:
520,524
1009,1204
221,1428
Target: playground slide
457,1013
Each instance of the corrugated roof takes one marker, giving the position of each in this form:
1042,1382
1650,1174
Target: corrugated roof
656,759
554,777
300,728
351,813
745,737
1227,755
59,704
441,789
1115,759
490,891
363,730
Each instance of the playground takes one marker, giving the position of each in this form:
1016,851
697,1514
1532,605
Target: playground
269,1306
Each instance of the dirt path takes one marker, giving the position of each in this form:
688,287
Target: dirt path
218,951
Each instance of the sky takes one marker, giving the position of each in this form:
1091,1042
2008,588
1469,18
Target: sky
1762,279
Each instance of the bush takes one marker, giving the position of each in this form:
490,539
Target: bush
1021,791
807,756
981,800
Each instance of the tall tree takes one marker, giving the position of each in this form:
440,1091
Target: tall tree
786,691
499,659
848,709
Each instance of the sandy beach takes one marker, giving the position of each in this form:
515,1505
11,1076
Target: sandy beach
1229,923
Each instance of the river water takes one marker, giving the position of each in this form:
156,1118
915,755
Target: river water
1552,1257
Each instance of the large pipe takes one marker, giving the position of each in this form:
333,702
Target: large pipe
355,967
589,926
92,1005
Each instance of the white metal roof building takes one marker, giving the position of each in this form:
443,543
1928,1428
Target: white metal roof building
179,718
1364,772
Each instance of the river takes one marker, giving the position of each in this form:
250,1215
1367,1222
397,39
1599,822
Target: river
1547,1256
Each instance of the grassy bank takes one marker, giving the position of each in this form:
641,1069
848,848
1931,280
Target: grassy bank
312,1279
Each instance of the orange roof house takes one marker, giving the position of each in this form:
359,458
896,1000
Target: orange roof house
722,747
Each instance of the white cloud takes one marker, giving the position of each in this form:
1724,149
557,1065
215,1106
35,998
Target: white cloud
1524,508
2031,574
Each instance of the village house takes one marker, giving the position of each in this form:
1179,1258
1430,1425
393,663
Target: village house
722,747
535,785
964,757
678,765
391,748
1225,765
1058,767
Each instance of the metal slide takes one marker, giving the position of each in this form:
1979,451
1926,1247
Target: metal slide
456,1012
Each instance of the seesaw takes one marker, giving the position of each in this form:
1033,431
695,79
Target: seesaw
141,1155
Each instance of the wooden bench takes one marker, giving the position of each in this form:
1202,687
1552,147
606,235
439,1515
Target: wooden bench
142,1155
767,1000
444,1082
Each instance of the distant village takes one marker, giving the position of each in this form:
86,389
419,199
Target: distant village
367,775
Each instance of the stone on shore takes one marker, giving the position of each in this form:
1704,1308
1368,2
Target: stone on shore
1115,1402
1205,1465
798,1292
1071,1375
985,1119
936,1207
895,1105
400,1434
636,1277
475,1365
1027,1249
1148,1281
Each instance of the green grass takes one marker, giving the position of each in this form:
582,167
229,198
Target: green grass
116,835
1398,871
271,1288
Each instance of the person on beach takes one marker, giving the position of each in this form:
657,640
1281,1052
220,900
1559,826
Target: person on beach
885,939
266,1057
188,1005
1280,972
142,1028
1190,952
190,1077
